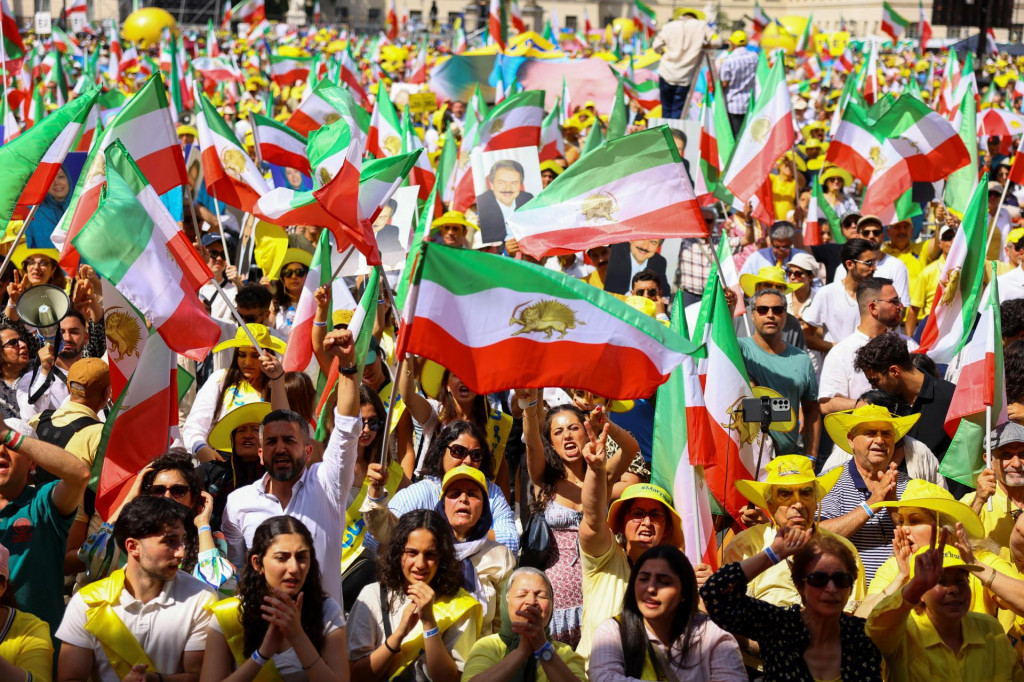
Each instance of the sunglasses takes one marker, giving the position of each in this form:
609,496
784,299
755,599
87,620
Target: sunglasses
216,255
796,273
177,491
462,452
869,263
871,233
891,301
297,272
775,309
14,343
374,424
653,293
819,579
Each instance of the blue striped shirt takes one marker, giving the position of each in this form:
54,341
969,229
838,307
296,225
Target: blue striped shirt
873,540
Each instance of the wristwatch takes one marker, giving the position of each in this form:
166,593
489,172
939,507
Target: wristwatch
349,371
545,653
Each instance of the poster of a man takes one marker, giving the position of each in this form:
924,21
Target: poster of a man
512,179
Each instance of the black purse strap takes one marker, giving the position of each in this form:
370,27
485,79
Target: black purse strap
385,613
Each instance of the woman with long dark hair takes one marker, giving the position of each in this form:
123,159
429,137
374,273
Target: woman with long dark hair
459,442
417,623
660,635
281,625
251,377
554,460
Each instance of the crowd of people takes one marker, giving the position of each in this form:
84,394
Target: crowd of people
373,518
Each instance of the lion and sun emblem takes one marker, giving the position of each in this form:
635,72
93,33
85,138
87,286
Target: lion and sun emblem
546,317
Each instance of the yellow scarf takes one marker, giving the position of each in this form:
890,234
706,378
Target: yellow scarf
226,613
447,611
119,644
355,527
649,672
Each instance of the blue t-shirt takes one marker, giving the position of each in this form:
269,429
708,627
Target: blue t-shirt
791,374
36,534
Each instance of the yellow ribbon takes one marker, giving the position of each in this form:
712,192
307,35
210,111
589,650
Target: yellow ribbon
226,613
119,644
447,611
648,672
355,527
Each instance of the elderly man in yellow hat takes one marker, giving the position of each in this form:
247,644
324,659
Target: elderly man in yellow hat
643,517
790,495
869,433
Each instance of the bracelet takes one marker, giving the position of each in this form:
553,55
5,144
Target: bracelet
349,371
431,632
991,579
772,556
205,529
319,324
277,377
14,440
525,404
388,647
540,652
307,667
868,510
259,658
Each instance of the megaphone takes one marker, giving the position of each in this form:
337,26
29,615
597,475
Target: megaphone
43,307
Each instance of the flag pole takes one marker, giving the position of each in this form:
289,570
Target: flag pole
988,442
223,239
721,277
344,260
21,233
385,289
255,140
993,225
236,315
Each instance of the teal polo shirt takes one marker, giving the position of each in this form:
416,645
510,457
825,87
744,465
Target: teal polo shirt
36,534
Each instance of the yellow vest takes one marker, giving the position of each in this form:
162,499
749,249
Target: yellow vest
355,527
648,672
447,611
119,644
226,613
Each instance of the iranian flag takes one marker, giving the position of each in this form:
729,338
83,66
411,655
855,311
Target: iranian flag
893,23
212,44
348,74
144,127
31,160
812,223
248,11
133,241
767,134
716,145
980,388
299,352
127,340
644,18
552,144
999,121
486,317
497,28
871,89
812,68
13,47
227,169
141,426
934,149
217,69
517,17
392,21
634,187
891,178
378,181
677,443
279,144
949,82
617,120
725,383
288,70
385,135
846,61
924,29
646,93
422,173
958,293
961,184
516,122
761,20
1017,169
805,41
325,105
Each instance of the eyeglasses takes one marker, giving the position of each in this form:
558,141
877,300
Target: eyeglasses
870,263
216,255
819,579
891,301
297,272
374,424
14,343
775,309
650,293
177,491
251,319
871,233
796,272
462,452
639,514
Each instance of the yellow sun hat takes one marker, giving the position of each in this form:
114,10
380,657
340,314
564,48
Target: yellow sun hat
647,491
927,495
788,470
771,274
22,253
263,337
840,424
250,413
950,559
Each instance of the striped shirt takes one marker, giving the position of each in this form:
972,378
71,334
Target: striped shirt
739,69
873,540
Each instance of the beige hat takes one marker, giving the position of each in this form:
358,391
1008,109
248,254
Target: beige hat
88,378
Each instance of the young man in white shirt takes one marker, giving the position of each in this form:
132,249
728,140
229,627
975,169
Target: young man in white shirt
833,314
146,621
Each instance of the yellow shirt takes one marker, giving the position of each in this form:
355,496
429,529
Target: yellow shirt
594,280
775,585
783,195
604,585
913,651
998,522
84,444
922,289
28,646
490,651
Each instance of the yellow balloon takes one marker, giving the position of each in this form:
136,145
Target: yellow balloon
625,27
144,26
785,38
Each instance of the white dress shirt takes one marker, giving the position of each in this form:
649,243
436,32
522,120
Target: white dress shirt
318,500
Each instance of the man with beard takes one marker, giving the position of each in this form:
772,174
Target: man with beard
1003,484
317,494
44,388
149,611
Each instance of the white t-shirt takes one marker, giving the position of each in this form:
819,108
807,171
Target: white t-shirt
889,267
287,662
838,377
165,627
834,310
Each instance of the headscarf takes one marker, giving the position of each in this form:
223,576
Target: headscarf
528,672
465,549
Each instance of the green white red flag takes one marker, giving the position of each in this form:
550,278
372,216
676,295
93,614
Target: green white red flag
385,136
286,71
960,185
634,187
133,241
485,317
767,134
423,174
676,443
299,352
958,293
516,122
227,169
279,144
805,41
552,144
325,105
893,23
980,388
644,18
